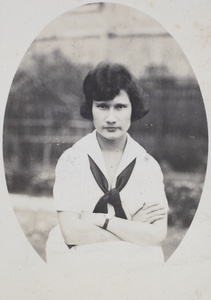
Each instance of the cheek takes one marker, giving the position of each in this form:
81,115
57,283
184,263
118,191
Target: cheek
129,115
95,121
94,114
129,119
97,118
126,121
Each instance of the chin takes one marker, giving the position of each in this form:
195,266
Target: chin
112,137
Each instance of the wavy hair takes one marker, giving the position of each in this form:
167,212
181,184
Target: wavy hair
105,82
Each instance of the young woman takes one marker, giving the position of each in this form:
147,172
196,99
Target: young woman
109,191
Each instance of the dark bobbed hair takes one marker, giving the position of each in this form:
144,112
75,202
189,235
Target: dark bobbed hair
105,82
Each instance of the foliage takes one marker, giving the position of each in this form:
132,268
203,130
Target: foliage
183,192
51,87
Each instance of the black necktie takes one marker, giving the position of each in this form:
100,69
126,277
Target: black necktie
112,197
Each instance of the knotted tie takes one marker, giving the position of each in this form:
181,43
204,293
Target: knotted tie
112,197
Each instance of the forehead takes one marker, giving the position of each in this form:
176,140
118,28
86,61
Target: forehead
122,97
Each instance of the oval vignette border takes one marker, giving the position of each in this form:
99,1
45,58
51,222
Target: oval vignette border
55,29
181,252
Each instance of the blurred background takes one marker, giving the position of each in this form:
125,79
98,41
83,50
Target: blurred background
42,115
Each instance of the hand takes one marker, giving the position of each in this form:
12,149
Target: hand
150,213
90,218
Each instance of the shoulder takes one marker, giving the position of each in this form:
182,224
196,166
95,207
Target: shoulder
148,160
148,171
145,160
150,168
75,155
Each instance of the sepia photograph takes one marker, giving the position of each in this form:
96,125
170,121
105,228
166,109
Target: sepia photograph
105,148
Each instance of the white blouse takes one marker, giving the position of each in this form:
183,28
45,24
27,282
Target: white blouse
76,190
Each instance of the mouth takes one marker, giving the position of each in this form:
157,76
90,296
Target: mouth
111,129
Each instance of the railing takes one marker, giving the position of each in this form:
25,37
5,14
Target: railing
39,140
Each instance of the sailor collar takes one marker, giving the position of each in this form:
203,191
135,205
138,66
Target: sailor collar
131,151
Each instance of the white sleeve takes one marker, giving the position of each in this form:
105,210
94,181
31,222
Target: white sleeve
154,190
67,183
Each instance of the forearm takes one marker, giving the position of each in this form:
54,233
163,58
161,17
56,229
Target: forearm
141,233
77,232
137,232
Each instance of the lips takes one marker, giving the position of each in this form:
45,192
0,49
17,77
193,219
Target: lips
111,128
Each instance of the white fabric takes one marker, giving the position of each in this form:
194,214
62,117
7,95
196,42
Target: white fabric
103,257
76,190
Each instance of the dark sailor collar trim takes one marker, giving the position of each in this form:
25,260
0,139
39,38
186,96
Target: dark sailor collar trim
131,151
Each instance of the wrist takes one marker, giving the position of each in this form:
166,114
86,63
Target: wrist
107,218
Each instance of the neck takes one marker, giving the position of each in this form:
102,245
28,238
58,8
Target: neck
116,145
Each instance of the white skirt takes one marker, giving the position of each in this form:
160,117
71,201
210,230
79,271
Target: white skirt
111,257
110,270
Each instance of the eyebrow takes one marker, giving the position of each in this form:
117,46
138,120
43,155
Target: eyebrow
100,102
106,102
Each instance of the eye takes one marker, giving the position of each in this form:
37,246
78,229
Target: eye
101,106
120,106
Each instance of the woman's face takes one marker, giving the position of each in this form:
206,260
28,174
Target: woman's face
112,118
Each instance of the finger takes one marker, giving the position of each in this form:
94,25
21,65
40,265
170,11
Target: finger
139,219
139,209
155,218
149,217
155,208
146,206
144,215
152,215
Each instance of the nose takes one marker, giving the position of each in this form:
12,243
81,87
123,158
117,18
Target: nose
111,117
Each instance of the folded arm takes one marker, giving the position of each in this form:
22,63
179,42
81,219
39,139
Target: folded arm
147,227
76,231
141,233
